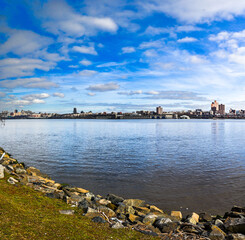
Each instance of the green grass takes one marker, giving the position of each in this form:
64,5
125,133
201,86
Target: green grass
27,214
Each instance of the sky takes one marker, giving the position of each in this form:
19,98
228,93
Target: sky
120,55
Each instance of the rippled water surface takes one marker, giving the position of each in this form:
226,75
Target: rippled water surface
175,164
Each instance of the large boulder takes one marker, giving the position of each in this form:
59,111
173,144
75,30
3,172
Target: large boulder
160,222
134,202
216,233
149,219
193,218
235,225
107,211
236,236
125,209
114,199
176,214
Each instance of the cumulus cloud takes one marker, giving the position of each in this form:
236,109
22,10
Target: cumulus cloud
58,94
130,93
111,86
41,83
23,42
85,50
186,40
60,18
87,73
85,62
128,49
152,44
231,46
32,97
20,67
197,11
29,100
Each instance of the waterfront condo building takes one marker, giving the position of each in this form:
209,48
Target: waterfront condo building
222,109
215,106
159,110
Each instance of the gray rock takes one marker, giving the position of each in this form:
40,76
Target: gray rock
122,208
107,211
169,227
205,217
55,194
114,199
12,181
67,212
191,228
1,171
159,223
134,202
236,236
84,205
149,219
235,225
98,220
216,233
91,210
20,171
238,209
117,225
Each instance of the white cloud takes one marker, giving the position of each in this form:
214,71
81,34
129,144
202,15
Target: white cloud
111,64
231,46
152,44
196,59
85,62
91,94
32,97
188,28
186,40
128,49
23,42
60,18
73,66
58,94
130,93
195,11
104,87
20,67
87,73
152,92
85,49
41,83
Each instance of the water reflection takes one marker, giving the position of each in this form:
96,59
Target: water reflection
196,164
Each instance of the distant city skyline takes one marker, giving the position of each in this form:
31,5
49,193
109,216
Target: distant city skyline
117,56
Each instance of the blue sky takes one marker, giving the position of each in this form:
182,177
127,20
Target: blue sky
121,55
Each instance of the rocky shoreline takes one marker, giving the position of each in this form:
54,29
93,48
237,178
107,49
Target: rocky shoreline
127,213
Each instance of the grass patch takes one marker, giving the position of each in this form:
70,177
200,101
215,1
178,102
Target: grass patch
28,214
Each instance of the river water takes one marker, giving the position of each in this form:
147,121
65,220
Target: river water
187,165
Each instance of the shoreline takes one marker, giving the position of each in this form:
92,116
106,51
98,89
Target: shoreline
127,213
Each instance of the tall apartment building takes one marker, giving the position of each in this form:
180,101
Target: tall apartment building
222,109
159,110
215,106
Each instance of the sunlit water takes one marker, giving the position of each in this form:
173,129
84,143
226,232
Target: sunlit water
175,164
